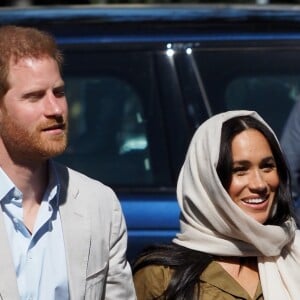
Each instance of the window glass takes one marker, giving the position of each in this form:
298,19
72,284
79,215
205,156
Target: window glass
260,78
271,96
111,111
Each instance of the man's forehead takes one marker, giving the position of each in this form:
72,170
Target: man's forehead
27,61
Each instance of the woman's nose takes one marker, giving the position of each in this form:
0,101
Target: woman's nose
257,181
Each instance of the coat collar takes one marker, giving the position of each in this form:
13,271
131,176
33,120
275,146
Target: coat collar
8,279
76,232
77,239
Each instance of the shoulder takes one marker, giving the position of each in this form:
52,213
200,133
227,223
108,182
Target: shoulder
67,174
85,188
151,281
72,177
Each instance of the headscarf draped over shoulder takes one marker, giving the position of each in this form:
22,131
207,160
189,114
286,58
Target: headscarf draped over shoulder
212,223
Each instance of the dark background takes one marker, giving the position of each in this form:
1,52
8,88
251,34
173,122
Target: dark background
74,2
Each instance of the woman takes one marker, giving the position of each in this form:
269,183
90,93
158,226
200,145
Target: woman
238,237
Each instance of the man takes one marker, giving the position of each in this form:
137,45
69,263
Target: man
62,234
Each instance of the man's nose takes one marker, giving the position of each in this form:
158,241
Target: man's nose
54,106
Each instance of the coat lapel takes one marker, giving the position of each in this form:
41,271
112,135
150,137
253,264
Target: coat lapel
8,279
77,235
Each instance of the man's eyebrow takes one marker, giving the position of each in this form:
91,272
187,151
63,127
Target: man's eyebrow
61,86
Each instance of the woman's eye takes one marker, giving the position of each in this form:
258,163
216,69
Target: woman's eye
269,167
239,170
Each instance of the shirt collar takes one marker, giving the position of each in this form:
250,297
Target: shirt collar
6,185
216,276
53,189
52,192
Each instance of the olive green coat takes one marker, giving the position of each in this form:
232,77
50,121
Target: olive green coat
215,284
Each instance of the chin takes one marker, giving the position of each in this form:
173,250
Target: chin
260,219
44,153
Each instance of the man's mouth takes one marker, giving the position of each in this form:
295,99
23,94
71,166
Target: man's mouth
55,127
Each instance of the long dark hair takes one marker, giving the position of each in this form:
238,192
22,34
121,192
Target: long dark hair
283,197
186,264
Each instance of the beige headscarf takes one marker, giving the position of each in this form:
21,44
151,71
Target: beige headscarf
210,221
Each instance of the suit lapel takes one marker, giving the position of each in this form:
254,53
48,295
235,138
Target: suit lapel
8,279
76,232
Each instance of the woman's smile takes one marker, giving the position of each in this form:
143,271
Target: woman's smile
254,174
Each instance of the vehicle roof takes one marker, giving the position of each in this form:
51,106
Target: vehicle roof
157,20
146,13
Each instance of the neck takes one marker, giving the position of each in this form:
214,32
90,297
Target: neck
31,179
32,182
243,269
248,261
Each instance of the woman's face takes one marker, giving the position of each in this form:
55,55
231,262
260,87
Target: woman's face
254,174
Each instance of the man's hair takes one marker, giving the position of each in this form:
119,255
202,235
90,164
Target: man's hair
18,42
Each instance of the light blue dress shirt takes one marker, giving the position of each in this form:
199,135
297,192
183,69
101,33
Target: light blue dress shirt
39,257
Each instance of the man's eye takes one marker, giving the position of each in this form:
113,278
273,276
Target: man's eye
59,92
34,96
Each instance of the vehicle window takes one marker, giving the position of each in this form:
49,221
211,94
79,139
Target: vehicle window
264,79
271,96
111,111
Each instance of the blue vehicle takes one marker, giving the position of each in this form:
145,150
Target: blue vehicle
141,79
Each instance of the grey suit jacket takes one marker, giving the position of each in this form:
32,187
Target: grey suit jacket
95,240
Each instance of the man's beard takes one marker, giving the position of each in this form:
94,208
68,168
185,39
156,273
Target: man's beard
25,145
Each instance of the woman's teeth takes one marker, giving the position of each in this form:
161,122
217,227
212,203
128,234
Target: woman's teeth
255,201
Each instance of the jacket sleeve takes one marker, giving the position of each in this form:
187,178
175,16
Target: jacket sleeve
119,283
95,237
